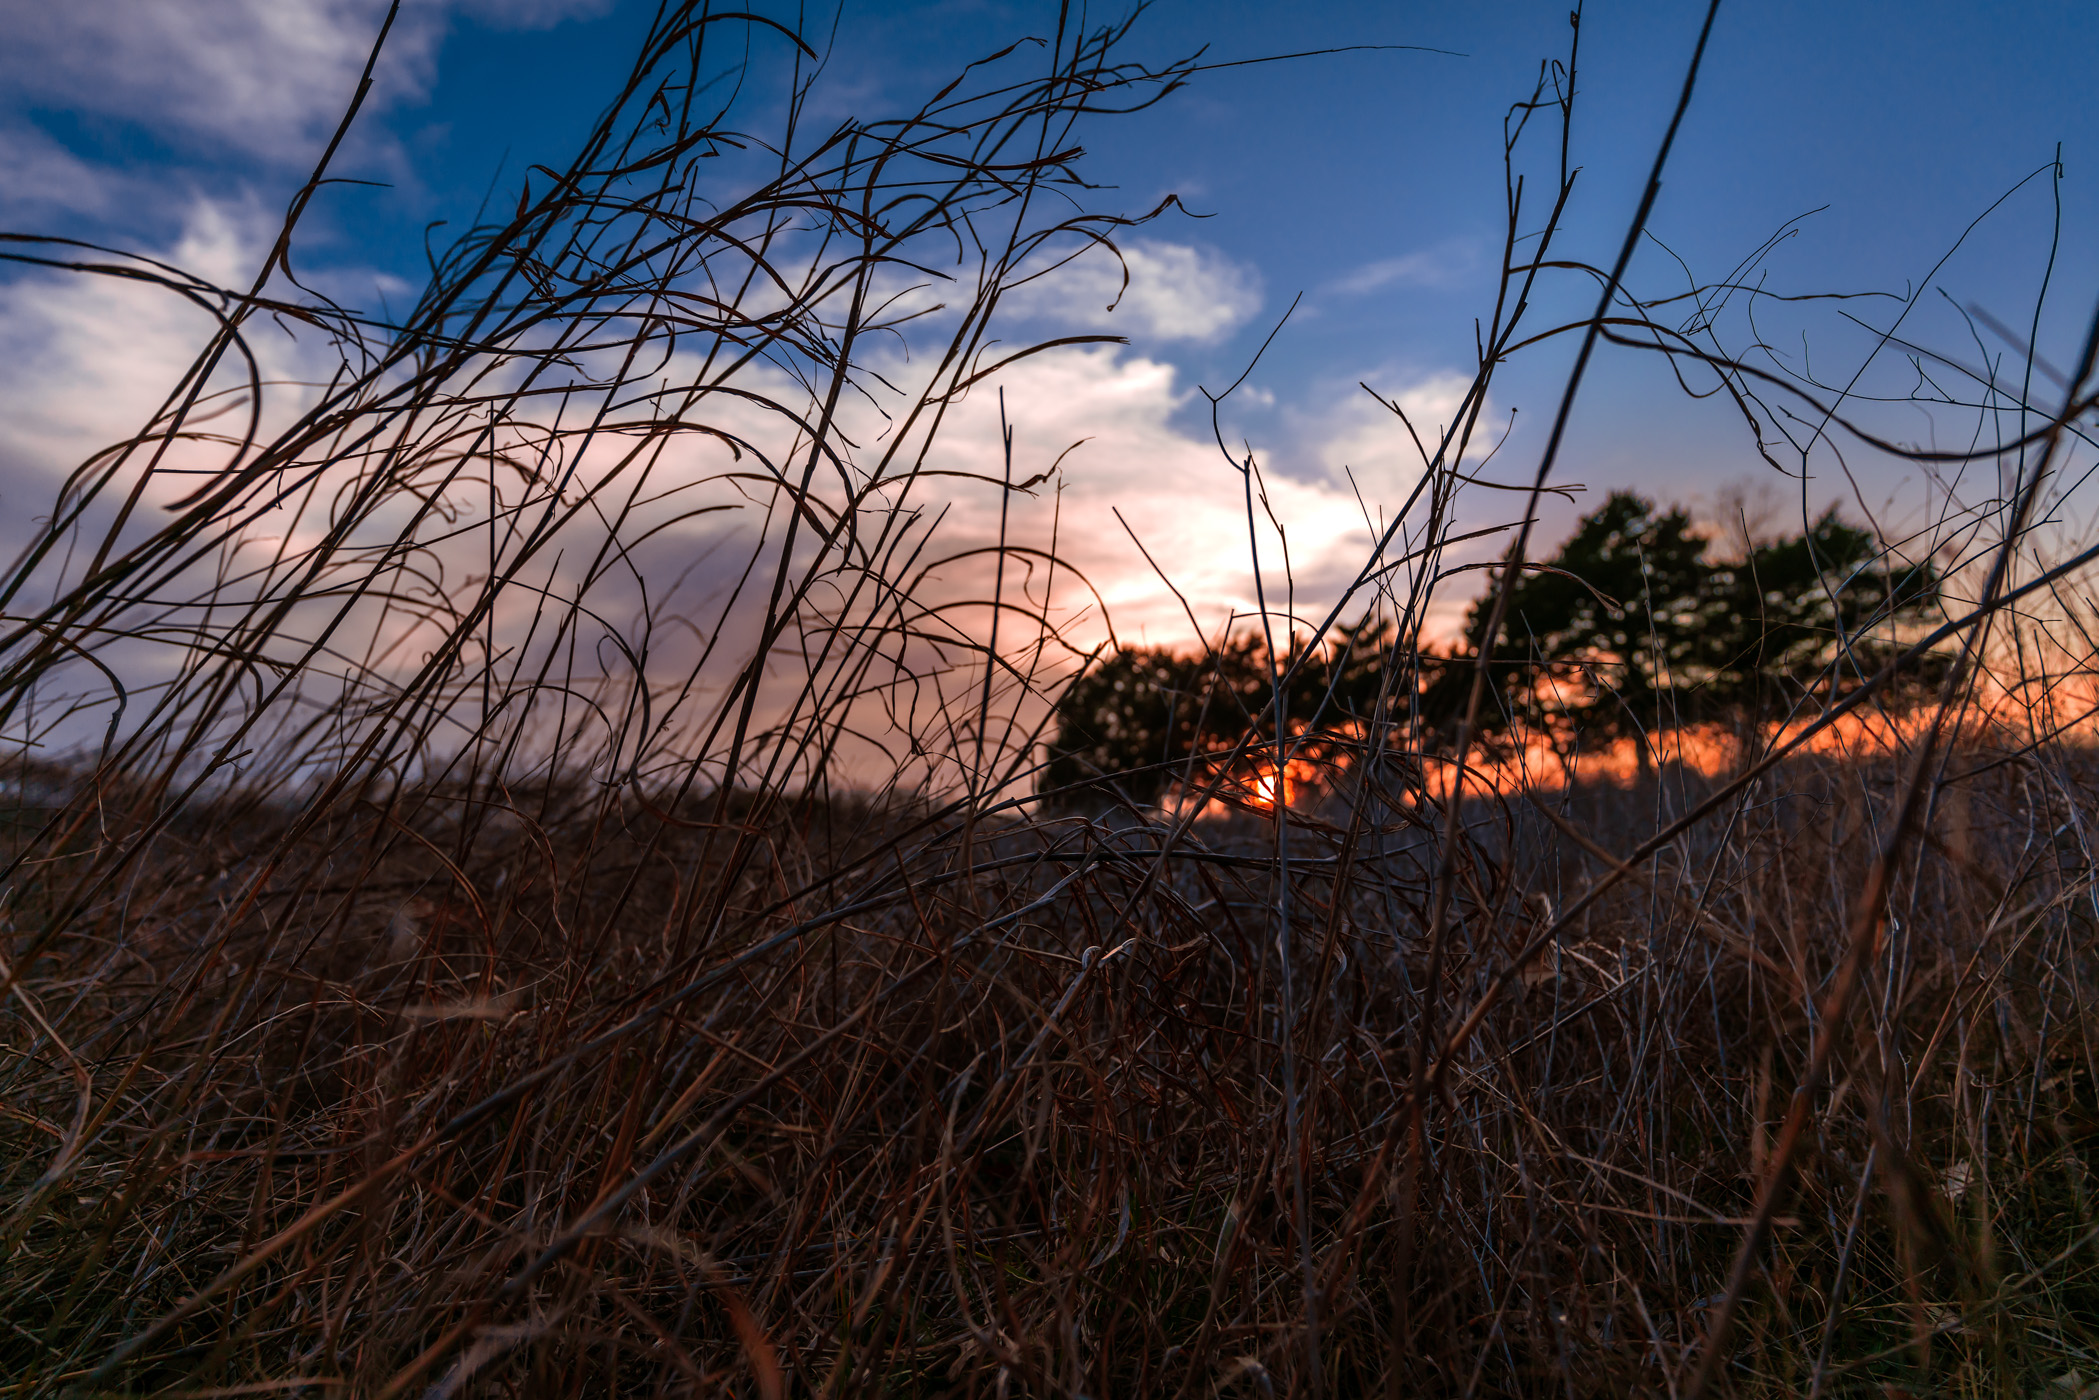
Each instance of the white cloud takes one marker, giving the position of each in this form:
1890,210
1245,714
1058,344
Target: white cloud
93,356
1436,267
99,353
1175,292
38,174
1176,492
1365,441
268,78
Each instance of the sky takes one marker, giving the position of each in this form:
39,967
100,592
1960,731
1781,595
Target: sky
1365,185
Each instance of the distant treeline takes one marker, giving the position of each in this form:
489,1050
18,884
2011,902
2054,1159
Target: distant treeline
1635,626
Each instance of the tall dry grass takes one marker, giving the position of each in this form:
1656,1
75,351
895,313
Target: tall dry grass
442,957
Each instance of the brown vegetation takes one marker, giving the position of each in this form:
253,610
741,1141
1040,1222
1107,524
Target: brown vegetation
429,984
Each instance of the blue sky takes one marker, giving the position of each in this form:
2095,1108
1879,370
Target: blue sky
1368,181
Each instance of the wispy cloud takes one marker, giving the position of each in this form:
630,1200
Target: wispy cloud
1172,488
93,357
264,78
1366,445
1176,292
38,175
100,353
1436,267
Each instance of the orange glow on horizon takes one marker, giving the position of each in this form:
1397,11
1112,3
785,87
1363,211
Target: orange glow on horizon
1999,718
1548,763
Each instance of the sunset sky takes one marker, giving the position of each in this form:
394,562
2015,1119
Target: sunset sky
1369,182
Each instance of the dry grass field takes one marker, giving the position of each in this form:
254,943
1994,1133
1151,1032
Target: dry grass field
437,965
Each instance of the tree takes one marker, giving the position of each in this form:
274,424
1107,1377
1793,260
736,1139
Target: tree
1632,626
1792,610
1619,619
1141,714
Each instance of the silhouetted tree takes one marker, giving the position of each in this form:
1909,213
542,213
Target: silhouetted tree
1141,713
1632,626
1795,610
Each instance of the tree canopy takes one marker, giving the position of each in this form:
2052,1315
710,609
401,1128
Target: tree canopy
1141,714
1635,625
